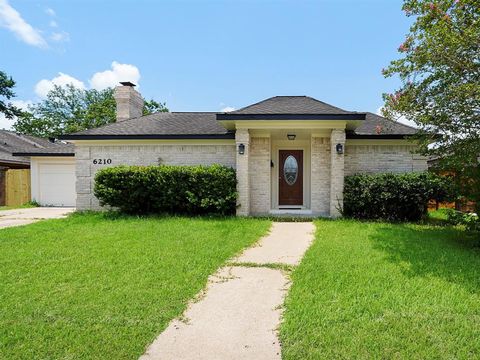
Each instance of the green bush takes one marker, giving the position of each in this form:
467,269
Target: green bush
393,197
168,189
471,221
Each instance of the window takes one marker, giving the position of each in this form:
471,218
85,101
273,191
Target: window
290,170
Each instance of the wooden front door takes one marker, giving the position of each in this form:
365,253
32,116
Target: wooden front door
290,177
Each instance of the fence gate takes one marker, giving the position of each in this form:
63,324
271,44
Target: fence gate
17,187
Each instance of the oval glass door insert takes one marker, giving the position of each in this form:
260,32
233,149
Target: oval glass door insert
290,170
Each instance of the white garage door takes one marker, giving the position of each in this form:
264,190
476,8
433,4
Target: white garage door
57,184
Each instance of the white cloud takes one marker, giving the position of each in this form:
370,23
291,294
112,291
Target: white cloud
44,86
53,23
7,123
402,119
50,12
227,109
60,36
13,21
111,78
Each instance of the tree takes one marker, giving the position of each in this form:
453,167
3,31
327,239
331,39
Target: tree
6,93
68,109
440,75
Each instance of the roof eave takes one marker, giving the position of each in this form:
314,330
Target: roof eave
44,154
348,116
379,136
148,136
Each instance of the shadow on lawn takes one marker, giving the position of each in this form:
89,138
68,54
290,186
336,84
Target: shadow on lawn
448,253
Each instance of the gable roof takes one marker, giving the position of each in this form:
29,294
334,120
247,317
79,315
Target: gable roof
162,125
291,105
13,145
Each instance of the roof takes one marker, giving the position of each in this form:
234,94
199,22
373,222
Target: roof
376,126
14,147
205,125
291,105
162,125
59,149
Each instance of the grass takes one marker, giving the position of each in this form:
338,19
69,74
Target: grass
384,291
93,286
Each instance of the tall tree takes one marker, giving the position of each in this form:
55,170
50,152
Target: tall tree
6,93
68,109
440,74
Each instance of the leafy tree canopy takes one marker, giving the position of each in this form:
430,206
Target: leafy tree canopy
440,73
6,93
68,109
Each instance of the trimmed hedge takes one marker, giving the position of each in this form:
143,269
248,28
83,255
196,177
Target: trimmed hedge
168,189
393,197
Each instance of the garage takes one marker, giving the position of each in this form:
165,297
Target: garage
56,184
53,181
52,174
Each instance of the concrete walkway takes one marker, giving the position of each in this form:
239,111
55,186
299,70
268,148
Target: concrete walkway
17,217
238,315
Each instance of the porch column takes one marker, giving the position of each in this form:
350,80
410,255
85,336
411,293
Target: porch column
337,172
242,137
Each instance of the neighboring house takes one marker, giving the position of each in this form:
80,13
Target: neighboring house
291,153
12,142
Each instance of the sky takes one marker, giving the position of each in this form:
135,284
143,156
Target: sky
205,55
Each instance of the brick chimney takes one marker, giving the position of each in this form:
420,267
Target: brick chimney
129,101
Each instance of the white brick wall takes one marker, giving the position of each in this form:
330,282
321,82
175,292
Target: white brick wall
142,155
320,181
382,158
259,167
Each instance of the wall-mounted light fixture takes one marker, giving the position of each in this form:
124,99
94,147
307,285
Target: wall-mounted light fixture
291,136
241,149
339,148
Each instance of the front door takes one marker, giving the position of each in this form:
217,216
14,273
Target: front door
290,178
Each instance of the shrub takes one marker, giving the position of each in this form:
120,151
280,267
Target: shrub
393,197
471,221
168,189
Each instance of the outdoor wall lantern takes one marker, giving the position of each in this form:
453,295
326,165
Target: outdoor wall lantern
339,148
291,136
241,149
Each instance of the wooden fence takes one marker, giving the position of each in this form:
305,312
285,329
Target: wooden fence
17,187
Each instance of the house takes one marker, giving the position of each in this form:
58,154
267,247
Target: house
15,150
291,153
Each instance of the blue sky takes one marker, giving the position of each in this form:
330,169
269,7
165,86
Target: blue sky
206,55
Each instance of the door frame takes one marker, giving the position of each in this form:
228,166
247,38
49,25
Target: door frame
289,151
287,145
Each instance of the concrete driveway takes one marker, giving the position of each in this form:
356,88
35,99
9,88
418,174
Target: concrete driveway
16,217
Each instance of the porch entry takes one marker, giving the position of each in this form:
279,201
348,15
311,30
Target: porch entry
290,178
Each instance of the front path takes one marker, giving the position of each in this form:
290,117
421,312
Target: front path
238,315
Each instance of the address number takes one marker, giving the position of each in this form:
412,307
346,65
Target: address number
102,161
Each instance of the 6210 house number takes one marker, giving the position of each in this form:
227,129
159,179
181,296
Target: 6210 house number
102,161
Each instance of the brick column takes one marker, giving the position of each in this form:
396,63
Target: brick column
337,172
242,136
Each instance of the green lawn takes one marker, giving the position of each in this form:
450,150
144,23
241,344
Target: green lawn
94,286
385,291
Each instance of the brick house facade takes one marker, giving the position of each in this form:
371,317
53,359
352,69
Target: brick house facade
291,153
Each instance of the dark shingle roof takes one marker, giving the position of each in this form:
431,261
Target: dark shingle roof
195,125
378,125
186,124
13,146
291,105
58,149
